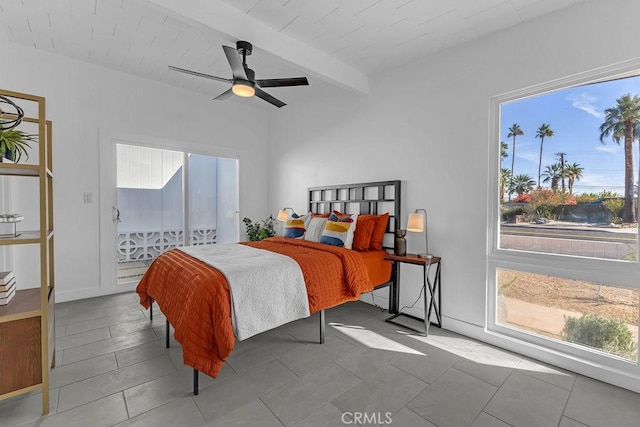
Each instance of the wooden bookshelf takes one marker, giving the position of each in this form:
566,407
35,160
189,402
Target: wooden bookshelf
27,322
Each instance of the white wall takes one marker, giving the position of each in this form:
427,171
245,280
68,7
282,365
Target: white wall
427,123
83,98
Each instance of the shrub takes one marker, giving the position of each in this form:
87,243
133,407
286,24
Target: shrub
592,197
610,335
522,198
509,213
615,207
259,231
543,202
587,197
606,193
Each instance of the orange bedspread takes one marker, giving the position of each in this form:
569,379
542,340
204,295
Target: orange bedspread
378,268
195,296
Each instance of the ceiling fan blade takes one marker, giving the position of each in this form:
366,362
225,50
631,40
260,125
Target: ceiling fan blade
197,74
234,61
224,95
292,81
270,99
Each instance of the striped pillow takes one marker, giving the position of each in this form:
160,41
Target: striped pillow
315,229
338,230
295,226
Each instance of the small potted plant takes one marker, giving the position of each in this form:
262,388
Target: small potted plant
259,231
14,144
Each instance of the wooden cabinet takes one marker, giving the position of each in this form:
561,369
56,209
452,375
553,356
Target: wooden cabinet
27,323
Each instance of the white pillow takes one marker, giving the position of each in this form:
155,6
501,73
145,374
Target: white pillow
349,241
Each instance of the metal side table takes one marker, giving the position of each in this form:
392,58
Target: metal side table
430,290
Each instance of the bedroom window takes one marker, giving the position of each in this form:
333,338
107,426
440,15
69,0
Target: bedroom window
597,316
563,216
568,184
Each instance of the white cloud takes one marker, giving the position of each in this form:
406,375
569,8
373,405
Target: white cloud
583,101
532,157
608,148
595,183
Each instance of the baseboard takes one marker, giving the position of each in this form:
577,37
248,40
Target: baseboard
76,294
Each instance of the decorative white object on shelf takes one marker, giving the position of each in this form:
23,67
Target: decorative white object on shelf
6,300
7,295
5,278
11,219
7,287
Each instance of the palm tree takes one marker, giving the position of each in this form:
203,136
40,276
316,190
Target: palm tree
523,183
553,173
504,151
514,131
573,173
544,131
505,178
619,122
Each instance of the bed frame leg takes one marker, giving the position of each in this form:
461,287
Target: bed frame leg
151,309
321,326
195,381
166,335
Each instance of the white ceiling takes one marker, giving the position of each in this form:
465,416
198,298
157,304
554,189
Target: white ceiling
334,42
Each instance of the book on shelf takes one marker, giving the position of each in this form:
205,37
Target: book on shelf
5,277
6,300
4,288
10,288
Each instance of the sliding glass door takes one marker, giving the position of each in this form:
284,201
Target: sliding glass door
169,198
150,205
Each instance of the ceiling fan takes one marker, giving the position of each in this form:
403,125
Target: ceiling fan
244,81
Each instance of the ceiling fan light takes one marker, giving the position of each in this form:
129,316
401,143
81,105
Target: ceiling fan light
243,88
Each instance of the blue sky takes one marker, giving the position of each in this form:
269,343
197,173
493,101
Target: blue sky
575,115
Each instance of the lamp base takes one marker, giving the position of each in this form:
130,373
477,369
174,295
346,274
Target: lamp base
428,256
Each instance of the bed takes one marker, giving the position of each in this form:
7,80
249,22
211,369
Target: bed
194,293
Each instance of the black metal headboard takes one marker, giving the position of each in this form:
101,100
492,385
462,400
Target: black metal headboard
365,198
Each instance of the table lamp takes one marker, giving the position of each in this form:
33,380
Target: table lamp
417,223
283,215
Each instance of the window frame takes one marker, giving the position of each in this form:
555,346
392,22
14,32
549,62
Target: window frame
608,272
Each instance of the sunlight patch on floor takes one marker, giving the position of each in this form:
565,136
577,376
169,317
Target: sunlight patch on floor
373,340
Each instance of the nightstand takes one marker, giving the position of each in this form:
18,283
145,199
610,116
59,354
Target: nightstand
430,290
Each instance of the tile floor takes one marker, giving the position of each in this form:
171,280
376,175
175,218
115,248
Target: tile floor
113,369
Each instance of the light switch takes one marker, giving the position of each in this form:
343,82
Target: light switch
88,197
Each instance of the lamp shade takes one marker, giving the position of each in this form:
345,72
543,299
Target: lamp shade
415,223
283,215
243,88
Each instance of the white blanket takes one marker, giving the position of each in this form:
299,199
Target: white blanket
267,288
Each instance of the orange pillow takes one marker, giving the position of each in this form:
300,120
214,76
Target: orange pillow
364,230
378,231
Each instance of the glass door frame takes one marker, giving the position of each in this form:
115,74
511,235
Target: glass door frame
108,193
